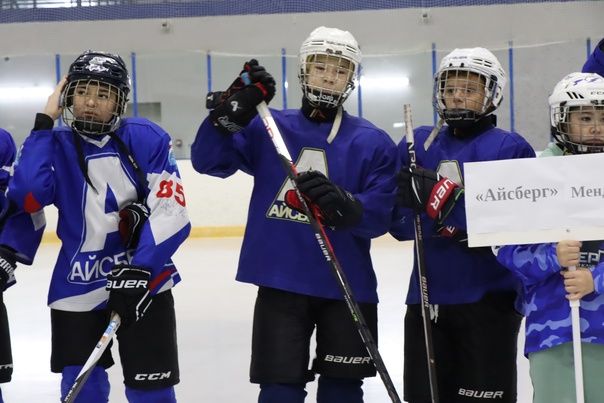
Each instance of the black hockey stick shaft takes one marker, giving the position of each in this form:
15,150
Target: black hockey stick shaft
421,264
101,345
328,253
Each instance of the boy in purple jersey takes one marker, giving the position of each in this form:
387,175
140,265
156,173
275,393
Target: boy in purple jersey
7,264
474,323
347,170
122,215
595,61
577,118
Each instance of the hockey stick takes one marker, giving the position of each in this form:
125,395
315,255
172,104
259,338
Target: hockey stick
421,264
327,249
577,353
114,324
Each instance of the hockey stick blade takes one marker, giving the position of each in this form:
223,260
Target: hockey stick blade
421,265
327,249
101,345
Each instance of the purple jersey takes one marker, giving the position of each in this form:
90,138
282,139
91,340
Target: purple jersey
595,62
456,273
279,249
47,172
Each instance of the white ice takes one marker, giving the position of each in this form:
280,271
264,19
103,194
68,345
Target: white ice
214,315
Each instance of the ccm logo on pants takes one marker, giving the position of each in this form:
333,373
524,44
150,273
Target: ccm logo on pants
153,377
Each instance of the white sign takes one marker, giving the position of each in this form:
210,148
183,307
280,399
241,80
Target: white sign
535,200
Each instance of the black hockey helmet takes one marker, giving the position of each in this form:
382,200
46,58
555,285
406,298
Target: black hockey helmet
102,66
99,69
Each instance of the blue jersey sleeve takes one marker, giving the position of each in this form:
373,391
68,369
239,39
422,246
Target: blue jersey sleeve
7,158
595,62
598,276
33,182
168,224
218,154
532,264
23,233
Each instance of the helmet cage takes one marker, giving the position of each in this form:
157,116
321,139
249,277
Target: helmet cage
574,132
333,50
92,107
473,110
314,88
577,111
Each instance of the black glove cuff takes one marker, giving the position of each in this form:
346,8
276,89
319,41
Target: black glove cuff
43,122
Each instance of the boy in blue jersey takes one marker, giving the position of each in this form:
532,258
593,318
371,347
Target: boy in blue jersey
7,267
122,216
577,118
474,323
347,170
595,61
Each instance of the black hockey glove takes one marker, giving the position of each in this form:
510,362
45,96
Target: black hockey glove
234,108
8,264
337,207
132,219
129,296
422,189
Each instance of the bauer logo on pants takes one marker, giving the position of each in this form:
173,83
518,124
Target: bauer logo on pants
481,394
340,359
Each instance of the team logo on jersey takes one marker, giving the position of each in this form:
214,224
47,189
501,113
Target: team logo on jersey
450,169
86,268
591,253
96,64
309,158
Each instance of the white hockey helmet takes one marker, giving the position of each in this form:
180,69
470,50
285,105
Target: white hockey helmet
331,42
581,94
461,62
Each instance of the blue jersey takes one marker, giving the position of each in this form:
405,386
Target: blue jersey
548,318
595,62
7,157
47,172
456,273
279,249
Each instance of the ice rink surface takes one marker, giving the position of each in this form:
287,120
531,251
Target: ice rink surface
214,316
